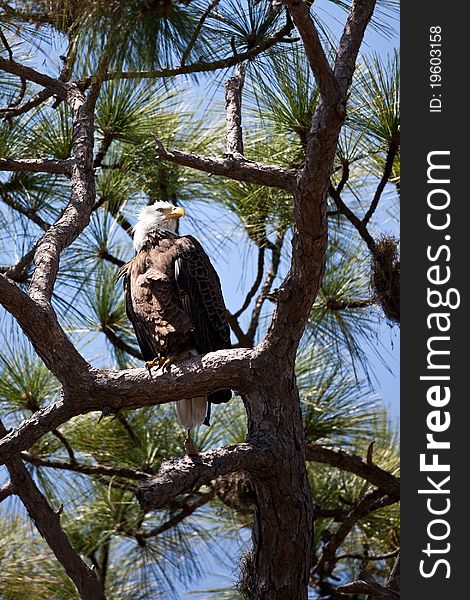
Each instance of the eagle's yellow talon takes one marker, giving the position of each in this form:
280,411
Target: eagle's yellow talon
156,362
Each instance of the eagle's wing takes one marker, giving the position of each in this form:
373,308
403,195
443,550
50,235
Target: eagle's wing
161,325
201,296
143,334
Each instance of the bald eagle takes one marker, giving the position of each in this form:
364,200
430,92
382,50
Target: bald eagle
174,301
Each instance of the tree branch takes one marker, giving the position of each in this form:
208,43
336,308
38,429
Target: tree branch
7,490
310,192
353,34
46,93
40,324
185,511
265,290
27,212
327,562
208,66
65,443
22,92
256,283
77,213
393,582
116,341
392,152
39,98
84,468
318,61
111,391
15,272
239,169
367,558
54,85
47,522
367,584
190,472
233,107
37,165
352,218
341,459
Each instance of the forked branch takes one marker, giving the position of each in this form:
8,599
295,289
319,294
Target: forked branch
190,472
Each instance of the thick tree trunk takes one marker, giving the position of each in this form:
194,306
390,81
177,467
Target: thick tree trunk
278,566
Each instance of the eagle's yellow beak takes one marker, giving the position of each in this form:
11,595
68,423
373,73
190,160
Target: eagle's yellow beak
176,213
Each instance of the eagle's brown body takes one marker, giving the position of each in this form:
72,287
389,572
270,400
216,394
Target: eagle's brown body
174,300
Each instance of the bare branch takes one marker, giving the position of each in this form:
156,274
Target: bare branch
46,93
36,100
310,193
366,584
353,34
266,289
22,92
367,557
185,511
233,107
393,582
16,272
54,85
327,562
112,391
345,461
319,64
27,212
256,283
47,522
120,344
114,260
85,469
243,341
77,214
203,66
190,472
40,324
37,165
352,218
65,443
388,168
239,169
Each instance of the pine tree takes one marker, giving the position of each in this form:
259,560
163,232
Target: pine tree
106,107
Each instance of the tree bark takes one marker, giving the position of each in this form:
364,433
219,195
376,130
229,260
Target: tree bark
279,565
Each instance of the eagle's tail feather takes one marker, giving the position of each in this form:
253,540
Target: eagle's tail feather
191,411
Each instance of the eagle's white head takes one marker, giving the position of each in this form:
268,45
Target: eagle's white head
160,215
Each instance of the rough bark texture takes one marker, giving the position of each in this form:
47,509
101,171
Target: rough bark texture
111,391
232,167
279,564
233,108
191,472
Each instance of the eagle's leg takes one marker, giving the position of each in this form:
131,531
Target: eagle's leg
166,361
189,446
156,362
171,360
